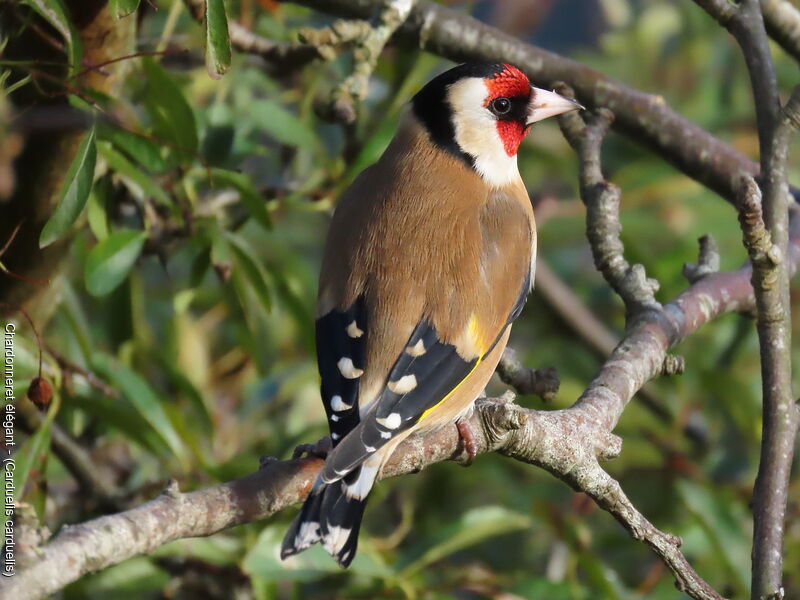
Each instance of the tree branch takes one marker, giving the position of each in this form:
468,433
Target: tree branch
567,443
585,134
782,21
541,382
368,41
707,260
766,236
287,56
643,117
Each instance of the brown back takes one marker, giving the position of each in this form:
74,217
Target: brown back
423,237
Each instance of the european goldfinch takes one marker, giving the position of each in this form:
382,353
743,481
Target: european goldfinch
429,259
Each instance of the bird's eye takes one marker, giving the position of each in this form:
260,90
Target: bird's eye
501,106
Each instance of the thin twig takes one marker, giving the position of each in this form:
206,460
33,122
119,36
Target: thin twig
368,41
540,382
707,260
585,134
285,55
67,366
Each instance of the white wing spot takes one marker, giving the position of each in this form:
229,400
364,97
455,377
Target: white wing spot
353,331
307,535
334,418
336,538
417,349
338,405
386,435
335,436
370,448
361,487
390,422
403,385
348,369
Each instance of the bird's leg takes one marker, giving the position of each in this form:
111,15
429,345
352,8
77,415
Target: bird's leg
467,436
318,450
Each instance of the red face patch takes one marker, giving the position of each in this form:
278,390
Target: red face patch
509,83
512,133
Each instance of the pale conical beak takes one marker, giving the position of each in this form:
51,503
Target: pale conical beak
546,104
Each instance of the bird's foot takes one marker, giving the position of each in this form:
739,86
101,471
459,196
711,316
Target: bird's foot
318,450
467,436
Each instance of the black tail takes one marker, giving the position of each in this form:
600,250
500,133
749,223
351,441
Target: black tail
332,515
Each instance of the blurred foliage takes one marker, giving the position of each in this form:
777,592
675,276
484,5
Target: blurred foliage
181,342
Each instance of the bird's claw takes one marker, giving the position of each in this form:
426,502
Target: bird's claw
318,450
467,436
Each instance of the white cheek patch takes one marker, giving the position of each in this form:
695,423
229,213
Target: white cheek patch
476,132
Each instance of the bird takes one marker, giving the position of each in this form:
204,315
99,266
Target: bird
429,259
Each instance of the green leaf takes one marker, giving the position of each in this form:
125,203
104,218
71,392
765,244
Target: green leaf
53,12
218,143
185,386
220,250
31,453
252,200
97,211
218,43
123,8
122,416
169,109
282,124
110,261
475,526
14,86
144,151
135,578
74,191
252,270
303,317
132,175
143,398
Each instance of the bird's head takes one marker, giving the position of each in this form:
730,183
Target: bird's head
481,113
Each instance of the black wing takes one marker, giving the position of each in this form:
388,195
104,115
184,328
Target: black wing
422,377
341,336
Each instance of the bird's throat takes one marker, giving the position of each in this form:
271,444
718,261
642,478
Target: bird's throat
511,134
